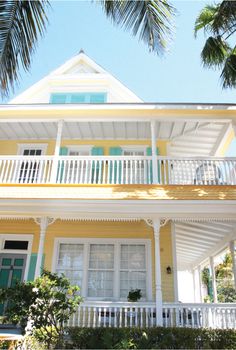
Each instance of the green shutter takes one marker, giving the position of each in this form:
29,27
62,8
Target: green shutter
63,152
149,175
115,151
32,266
96,151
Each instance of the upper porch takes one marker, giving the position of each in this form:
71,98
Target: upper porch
116,144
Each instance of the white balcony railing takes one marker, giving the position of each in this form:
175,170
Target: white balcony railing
108,314
117,170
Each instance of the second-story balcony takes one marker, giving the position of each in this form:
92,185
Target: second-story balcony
122,170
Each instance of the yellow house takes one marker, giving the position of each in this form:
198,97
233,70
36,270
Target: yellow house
117,194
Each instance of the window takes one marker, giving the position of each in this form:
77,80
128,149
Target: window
28,171
78,97
132,269
16,245
106,269
101,270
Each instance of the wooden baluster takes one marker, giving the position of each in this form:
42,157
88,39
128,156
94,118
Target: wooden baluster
146,323
145,171
99,316
104,317
141,317
84,315
171,320
89,317
79,315
136,316
151,317
94,317
115,317
121,314
126,311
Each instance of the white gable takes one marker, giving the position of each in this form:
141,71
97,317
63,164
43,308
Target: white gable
79,74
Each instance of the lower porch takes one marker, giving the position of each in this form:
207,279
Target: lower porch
110,256
143,315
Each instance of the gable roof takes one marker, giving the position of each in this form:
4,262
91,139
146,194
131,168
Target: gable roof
78,73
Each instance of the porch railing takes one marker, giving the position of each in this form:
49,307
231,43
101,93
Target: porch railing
125,314
117,170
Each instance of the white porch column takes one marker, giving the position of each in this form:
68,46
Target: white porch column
43,223
154,156
174,257
232,252
156,229
194,285
200,282
57,151
213,275
58,138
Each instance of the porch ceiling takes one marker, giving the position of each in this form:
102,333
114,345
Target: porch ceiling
187,137
196,241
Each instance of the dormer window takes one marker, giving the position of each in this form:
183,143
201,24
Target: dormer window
78,97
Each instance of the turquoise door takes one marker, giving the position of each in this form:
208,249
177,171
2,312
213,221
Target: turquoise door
12,267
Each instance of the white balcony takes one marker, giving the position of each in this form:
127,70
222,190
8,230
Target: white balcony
124,314
117,170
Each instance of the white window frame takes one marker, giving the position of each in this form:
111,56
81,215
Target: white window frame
37,146
27,252
134,148
77,148
117,243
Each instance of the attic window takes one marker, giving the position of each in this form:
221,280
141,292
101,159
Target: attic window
78,97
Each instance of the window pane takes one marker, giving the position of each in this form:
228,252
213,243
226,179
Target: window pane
133,269
100,284
132,280
58,98
133,257
70,262
101,256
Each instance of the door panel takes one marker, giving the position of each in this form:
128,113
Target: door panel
12,267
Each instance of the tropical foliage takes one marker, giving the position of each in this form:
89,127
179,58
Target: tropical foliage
21,24
44,305
224,280
218,22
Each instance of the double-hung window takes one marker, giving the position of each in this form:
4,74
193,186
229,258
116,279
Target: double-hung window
106,269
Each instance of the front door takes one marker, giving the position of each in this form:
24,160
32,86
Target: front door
12,268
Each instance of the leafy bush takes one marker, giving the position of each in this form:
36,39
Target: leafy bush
151,338
45,305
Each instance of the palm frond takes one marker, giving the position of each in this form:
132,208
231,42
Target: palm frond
225,18
214,52
228,74
21,23
150,19
205,19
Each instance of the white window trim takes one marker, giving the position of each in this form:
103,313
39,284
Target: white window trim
27,252
134,148
79,148
37,146
117,242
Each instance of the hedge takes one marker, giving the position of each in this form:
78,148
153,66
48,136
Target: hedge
151,338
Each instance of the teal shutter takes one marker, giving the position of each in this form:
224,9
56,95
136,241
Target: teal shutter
115,151
96,151
149,175
32,266
63,152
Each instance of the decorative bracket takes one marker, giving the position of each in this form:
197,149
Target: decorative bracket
163,222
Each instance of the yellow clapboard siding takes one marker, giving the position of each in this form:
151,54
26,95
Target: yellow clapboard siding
94,229
10,147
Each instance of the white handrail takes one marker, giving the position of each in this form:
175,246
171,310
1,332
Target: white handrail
117,170
143,314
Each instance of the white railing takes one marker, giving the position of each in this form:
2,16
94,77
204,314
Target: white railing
124,314
117,170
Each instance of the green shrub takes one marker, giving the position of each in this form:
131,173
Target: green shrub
151,338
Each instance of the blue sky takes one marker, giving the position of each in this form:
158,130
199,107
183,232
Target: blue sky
176,77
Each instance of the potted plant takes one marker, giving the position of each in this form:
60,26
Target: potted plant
134,295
